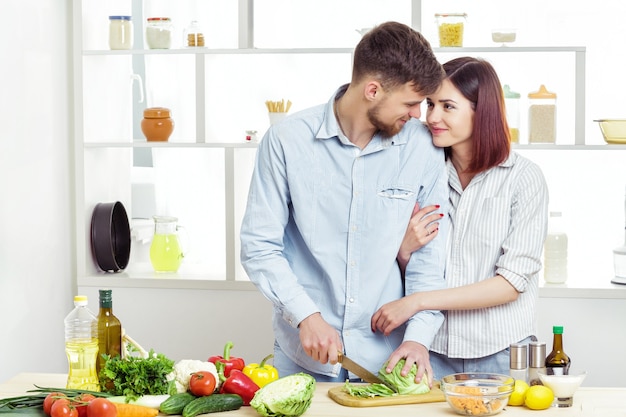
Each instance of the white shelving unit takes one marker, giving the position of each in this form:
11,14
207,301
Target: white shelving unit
104,149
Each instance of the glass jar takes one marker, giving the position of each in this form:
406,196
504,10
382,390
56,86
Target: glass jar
511,102
542,116
120,32
451,27
193,37
159,33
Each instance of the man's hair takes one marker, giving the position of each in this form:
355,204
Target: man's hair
395,54
478,81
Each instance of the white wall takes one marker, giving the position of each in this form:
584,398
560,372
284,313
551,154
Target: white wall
36,255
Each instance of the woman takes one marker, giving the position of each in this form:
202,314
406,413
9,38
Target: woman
498,215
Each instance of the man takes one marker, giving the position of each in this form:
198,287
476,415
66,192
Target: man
332,192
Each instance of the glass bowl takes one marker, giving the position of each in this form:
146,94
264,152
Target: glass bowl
613,130
477,394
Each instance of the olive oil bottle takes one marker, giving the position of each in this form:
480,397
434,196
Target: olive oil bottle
109,330
557,361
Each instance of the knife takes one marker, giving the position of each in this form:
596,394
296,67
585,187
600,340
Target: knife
361,372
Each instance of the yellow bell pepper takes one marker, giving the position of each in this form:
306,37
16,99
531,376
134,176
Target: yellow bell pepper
262,374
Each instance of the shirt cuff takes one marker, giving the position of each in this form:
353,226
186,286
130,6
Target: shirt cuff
299,309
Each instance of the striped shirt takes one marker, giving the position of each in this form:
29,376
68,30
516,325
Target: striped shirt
498,226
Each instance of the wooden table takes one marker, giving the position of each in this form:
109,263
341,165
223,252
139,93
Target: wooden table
588,402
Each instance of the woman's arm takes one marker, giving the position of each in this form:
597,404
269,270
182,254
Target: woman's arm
486,293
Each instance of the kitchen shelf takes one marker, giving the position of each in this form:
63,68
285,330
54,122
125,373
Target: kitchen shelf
210,51
143,144
94,152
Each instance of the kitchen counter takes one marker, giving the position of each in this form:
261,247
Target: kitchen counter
588,402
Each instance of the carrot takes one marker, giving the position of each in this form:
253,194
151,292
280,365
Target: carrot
134,410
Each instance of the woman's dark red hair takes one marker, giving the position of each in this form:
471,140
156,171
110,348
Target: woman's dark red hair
478,81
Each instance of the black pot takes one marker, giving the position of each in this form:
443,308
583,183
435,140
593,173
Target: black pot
110,236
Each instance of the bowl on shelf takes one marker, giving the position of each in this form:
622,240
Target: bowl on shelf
613,130
503,36
477,394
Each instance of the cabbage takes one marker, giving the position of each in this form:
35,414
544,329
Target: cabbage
405,384
289,396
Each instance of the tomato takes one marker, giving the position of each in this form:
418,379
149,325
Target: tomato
202,383
81,402
63,408
51,399
101,407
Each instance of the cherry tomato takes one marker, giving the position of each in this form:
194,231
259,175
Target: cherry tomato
81,402
202,383
101,407
63,408
51,399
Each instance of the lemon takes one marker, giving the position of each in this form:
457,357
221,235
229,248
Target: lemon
539,397
519,393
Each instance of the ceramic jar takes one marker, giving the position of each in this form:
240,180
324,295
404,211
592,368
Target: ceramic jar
157,125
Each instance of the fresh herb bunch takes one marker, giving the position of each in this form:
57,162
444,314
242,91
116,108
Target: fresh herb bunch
135,376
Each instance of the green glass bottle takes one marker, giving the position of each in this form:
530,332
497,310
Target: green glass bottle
557,361
109,330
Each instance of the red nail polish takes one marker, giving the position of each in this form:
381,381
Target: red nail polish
437,206
440,214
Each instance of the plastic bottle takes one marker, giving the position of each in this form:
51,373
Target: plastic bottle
557,362
81,346
619,257
518,361
109,329
536,362
555,251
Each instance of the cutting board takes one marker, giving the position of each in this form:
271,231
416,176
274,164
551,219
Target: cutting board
341,397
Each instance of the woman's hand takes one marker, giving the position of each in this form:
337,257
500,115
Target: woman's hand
393,314
423,227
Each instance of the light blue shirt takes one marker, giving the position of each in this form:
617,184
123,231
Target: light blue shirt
323,225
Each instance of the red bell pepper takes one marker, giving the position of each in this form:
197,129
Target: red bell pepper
230,362
237,383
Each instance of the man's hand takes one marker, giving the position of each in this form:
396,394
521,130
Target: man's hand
319,339
416,353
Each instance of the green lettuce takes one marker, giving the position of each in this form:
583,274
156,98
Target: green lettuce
404,384
289,396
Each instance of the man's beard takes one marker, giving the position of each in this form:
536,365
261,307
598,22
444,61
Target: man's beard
385,130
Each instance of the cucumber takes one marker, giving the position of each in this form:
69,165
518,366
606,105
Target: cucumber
176,403
212,404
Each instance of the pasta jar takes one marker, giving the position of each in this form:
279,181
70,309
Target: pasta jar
451,27
159,33
120,32
157,125
511,102
542,116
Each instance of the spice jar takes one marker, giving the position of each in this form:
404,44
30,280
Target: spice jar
159,33
451,27
120,32
511,102
542,116
157,125
193,36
